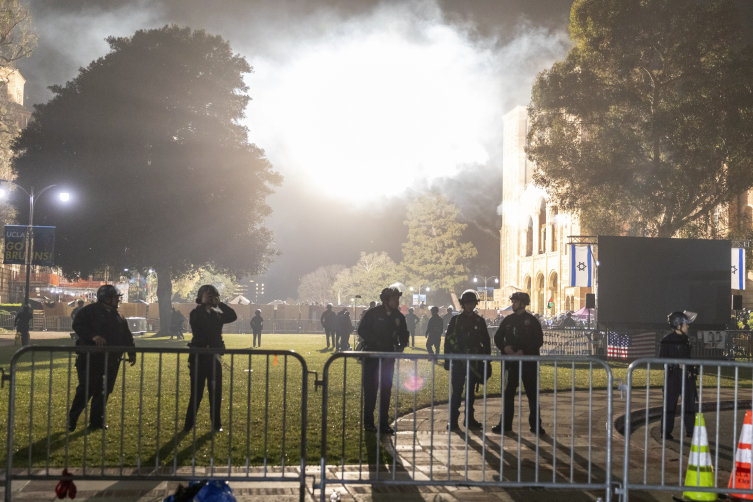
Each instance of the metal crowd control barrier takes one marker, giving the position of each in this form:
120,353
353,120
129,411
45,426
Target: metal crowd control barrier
424,453
722,399
263,411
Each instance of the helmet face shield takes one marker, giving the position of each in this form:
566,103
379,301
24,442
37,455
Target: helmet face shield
690,316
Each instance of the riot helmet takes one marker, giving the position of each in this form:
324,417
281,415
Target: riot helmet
258,312
469,296
677,319
521,297
107,291
388,293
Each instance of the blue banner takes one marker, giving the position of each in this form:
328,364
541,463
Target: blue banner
15,245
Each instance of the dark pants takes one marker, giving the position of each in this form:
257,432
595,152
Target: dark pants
330,333
433,341
343,340
96,386
674,390
371,386
511,391
25,337
412,337
257,336
207,370
459,373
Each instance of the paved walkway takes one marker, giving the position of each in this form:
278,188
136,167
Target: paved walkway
568,456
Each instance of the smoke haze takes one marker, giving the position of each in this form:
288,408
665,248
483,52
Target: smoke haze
360,105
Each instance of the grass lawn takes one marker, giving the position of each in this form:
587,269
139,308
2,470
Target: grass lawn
150,436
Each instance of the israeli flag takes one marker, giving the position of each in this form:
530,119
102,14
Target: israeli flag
581,261
738,268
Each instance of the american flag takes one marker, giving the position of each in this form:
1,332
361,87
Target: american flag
620,346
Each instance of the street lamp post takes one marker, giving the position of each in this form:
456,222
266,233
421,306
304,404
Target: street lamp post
486,295
64,196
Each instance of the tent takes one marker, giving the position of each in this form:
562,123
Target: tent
239,300
582,314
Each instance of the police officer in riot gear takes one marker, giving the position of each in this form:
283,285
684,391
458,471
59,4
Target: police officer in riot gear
383,329
520,334
466,334
676,345
99,324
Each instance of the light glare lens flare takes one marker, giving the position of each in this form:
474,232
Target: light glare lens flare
2,193
367,115
65,196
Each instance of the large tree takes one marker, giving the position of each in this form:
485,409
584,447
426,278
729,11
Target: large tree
17,41
316,286
149,140
368,277
647,125
435,253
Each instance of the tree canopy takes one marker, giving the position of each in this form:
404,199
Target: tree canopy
162,174
434,253
647,125
317,286
368,277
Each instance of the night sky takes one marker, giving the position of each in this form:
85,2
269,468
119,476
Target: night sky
328,209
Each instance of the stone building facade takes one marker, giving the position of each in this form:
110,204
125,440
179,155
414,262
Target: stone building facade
534,234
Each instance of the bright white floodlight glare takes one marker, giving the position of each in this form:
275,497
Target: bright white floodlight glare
125,270
411,288
475,280
597,263
496,281
427,289
2,192
151,271
65,196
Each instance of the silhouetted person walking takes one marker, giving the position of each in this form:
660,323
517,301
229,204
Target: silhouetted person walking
257,324
411,320
206,324
434,332
383,329
328,320
176,324
99,324
344,329
22,321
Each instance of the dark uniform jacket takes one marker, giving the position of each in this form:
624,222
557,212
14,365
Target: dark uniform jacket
257,322
435,326
467,334
96,320
207,326
22,320
522,332
328,319
382,332
344,326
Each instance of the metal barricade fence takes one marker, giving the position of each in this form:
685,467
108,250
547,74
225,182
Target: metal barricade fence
263,409
574,394
720,389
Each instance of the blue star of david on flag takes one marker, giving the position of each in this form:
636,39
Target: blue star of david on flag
738,268
581,266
